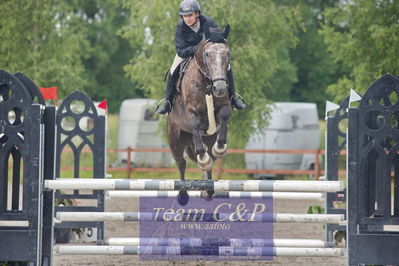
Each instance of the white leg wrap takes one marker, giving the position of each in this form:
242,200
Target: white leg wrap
205,163
218,153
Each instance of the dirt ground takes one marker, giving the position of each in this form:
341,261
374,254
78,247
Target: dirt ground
121,229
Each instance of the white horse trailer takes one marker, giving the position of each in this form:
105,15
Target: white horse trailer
292,126
139,128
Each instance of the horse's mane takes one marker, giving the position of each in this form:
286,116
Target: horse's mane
217,37
200,48
214,37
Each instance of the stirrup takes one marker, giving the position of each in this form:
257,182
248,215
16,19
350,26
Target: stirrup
236,97
164,102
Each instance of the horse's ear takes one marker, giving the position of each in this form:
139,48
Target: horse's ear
226,31
206,31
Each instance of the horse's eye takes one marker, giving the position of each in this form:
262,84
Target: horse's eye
206,54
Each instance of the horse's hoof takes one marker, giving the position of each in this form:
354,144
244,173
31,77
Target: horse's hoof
205,162
219,152
183,197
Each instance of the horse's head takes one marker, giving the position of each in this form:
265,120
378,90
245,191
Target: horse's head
215,58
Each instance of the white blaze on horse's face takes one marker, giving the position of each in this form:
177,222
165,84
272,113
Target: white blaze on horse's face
216,58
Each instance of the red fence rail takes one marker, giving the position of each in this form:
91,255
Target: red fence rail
219,170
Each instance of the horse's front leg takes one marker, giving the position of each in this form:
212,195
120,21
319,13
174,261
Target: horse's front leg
219,149
204,161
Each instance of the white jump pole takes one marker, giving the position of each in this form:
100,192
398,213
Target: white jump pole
174,250
220,185
233,242
138,216
231,194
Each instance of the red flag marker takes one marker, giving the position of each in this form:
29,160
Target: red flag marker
103,105
49,93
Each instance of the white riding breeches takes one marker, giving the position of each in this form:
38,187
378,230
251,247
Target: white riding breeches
176,63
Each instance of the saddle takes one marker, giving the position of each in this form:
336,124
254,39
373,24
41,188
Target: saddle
182,70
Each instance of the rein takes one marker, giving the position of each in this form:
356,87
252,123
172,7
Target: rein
207,78
203,72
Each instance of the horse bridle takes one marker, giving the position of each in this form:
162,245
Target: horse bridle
205,73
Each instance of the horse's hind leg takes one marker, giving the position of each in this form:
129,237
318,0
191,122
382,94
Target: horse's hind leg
181,164
177,149
207,175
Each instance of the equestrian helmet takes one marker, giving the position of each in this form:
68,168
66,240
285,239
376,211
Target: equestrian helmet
189,6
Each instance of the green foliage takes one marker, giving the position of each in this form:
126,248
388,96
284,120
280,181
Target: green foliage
69,44
282,81
13,263
41,39
363,35
316,68
259,31
282,50
100,21
315,209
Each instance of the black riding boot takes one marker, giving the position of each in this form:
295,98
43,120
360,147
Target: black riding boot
169,94
235,101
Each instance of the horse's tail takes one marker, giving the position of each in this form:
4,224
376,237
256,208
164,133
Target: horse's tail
190,153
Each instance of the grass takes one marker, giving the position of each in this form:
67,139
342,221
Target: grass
322,128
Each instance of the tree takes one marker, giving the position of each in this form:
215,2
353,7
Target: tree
316,69
363,35
99,22
282,82
40,39
259,29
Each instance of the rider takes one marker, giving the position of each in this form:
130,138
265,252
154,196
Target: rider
189,33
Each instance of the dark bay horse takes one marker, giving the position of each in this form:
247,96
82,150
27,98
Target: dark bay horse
192,122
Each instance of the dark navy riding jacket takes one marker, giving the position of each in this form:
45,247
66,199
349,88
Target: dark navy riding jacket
187,40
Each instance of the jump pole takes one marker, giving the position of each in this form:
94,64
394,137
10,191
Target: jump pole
233,242
216,251
231,194
138,216
219,185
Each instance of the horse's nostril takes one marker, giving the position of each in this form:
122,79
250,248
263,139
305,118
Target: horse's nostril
219,88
